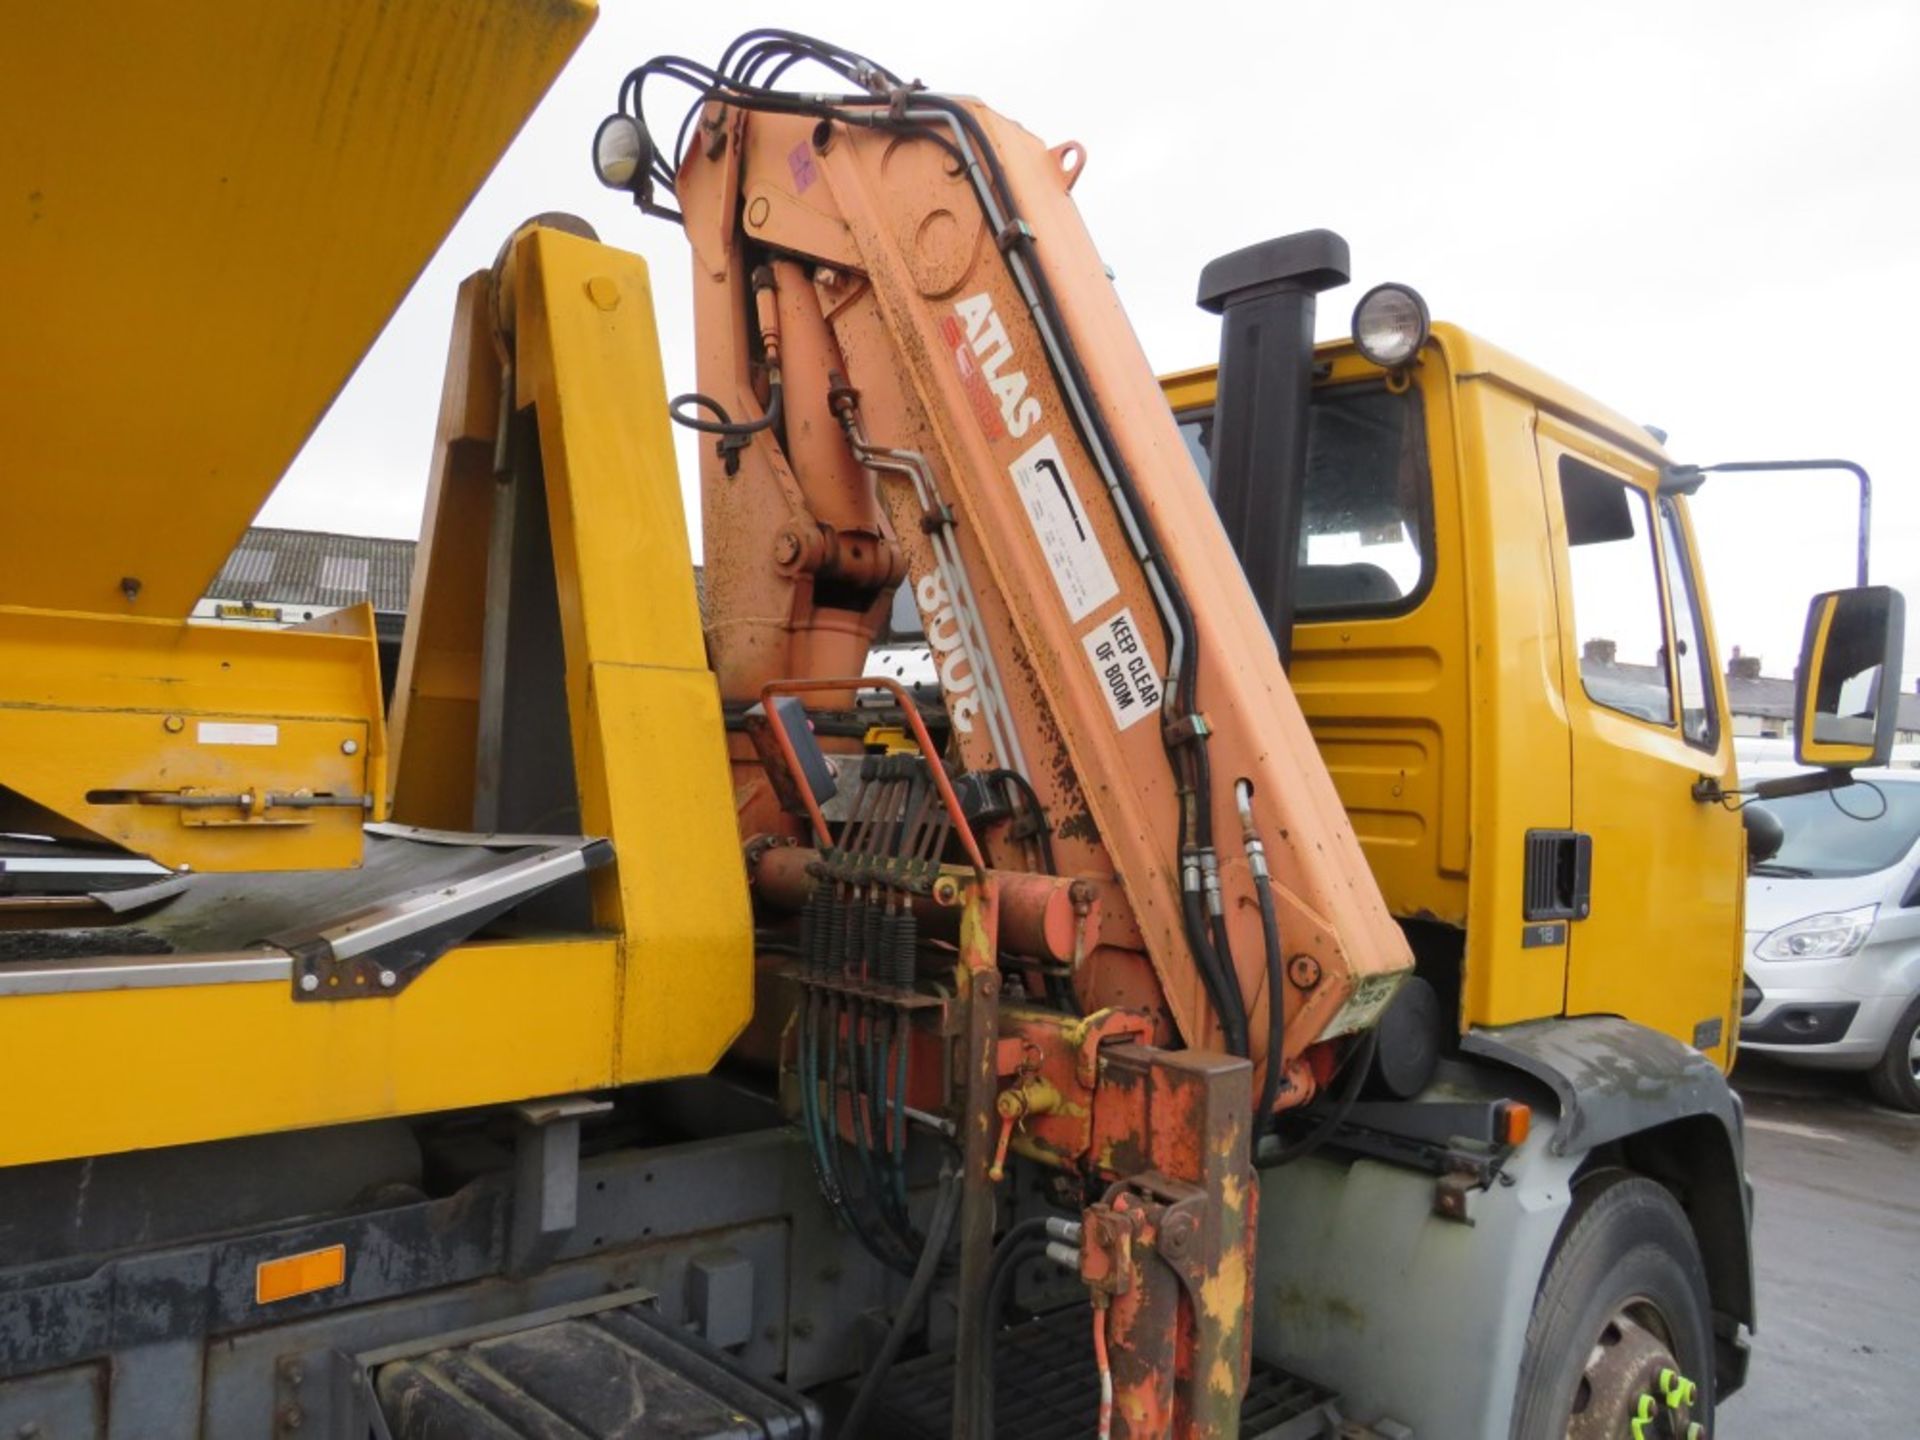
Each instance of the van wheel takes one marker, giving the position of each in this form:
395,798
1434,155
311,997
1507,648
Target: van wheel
1895,1081
1624,1300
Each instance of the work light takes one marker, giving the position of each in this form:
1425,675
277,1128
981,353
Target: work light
621,152
1390,325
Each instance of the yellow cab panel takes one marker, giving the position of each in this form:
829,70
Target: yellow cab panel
1438,655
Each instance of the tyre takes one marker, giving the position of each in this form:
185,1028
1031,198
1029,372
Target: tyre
1624,1299
1895,1081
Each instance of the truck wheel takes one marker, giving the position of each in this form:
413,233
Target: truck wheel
1624,1299
1895,1081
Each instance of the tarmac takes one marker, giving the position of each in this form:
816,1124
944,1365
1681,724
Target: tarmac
1837,1233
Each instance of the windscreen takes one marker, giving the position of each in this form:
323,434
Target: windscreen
1853,831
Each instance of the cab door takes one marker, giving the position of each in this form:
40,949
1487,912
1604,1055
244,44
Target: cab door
1655,935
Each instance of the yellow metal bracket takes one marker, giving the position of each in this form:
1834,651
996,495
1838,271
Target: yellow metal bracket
203,746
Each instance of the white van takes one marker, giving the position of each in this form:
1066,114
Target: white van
1833,934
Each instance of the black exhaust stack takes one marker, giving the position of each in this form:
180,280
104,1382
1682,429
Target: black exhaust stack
1264,295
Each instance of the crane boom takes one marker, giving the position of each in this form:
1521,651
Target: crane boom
922,375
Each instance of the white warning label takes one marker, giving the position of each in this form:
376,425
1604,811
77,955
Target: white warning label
213,732
1073,552
1127,676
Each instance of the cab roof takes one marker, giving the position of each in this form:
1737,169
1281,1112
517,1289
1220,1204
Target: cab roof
1469,358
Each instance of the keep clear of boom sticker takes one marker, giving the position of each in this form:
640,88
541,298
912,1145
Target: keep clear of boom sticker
1126,673
1065,533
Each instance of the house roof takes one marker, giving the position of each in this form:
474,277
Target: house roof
1767,696
314,569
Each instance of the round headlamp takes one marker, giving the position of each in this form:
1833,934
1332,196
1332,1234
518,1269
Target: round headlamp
1390,325
622,153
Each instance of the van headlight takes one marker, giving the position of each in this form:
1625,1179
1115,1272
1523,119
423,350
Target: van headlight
1820,937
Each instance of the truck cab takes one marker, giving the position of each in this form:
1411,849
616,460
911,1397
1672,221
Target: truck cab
1503,647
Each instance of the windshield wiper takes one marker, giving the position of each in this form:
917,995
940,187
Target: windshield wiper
1787,872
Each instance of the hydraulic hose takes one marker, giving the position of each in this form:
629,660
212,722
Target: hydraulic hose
938,1227
1276,977
1276,1010
1025,1240
1359,1062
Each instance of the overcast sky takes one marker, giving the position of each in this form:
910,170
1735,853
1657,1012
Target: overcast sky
1704,214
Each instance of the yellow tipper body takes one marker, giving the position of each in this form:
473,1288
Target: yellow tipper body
663,981
211,209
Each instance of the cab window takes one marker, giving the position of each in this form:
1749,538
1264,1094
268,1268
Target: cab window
1366,533
1614,568
1699,716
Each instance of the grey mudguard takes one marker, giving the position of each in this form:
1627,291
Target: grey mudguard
1613,1078
1410,1317
1667,1103
1422,1320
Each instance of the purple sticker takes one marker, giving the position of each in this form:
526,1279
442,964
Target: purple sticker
800,161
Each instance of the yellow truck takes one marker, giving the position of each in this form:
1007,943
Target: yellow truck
648,1024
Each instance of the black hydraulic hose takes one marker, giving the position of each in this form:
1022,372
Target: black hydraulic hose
821,1142
1193,911
1231,994
898,1254
1044,832
987,1384
1359,1062
1263,1118
1025,1241
938,1227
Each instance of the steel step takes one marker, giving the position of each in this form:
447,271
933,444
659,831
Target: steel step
1047,1389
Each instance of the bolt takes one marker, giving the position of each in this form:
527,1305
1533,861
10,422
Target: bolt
309,983
349,747
173,724
292,1417
388,979
786,549
291,1372
130,587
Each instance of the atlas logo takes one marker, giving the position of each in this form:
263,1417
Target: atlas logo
993,349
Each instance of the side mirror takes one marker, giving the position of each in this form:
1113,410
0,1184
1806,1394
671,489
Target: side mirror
1765,833
1846,701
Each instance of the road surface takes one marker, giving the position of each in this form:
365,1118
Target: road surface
1837,1198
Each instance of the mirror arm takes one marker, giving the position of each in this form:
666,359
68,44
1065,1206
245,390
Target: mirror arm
1708,791
1685,479
1810,783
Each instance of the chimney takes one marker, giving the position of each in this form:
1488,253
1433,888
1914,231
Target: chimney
1743,667
1598,652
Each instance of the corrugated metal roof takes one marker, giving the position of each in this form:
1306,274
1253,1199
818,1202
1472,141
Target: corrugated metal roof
317,570
313,569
